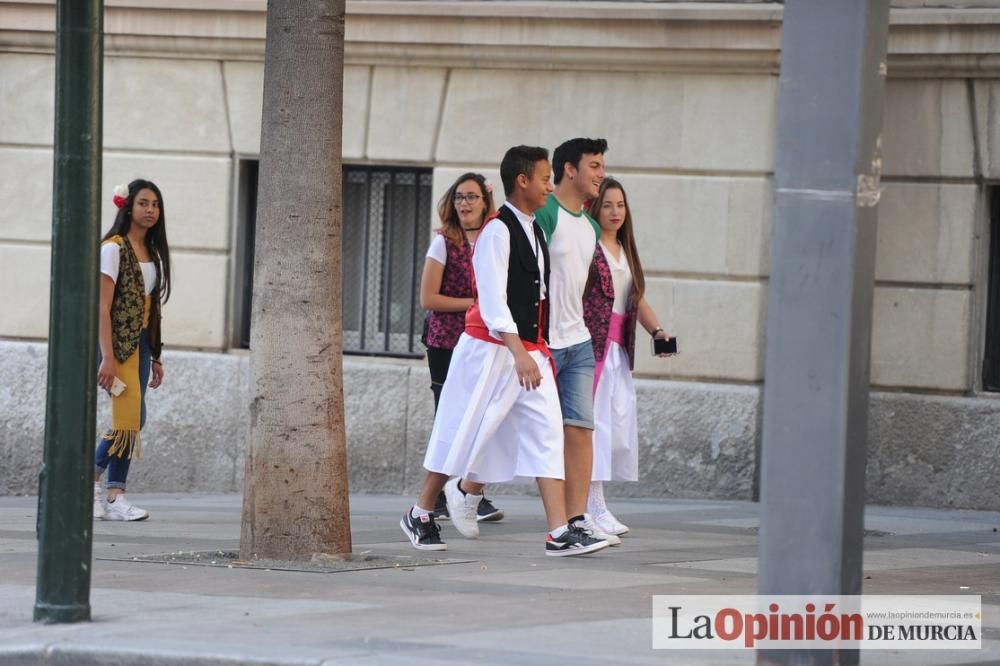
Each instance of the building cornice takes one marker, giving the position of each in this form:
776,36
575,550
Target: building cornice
616,36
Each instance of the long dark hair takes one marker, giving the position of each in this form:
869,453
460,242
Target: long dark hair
625,235
156,238
450,226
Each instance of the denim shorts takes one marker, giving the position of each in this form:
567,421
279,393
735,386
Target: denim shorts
575,379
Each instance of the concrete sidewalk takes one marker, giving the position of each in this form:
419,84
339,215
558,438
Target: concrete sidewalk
509,605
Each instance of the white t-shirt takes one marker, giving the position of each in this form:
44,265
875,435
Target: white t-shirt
621,277
109,266
438,251
571,250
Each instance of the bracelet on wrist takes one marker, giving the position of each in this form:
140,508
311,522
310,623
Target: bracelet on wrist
157,361
655,331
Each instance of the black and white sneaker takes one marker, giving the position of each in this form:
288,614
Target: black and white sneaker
574,541
423,532
441,507
591,527
486,512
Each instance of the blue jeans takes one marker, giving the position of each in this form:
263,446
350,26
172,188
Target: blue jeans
117,467
575,379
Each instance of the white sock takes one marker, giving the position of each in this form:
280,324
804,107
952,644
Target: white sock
417,511
559,531
595,499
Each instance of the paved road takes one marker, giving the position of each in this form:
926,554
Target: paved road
506,604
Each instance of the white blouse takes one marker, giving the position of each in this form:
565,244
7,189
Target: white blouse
621,277
109,266
438,251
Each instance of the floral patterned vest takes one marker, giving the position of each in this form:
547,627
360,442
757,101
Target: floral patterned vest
442,329
128,306
598,302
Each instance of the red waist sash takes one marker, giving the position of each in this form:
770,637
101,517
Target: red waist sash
476,328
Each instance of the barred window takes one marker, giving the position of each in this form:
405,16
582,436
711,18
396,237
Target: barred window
386,227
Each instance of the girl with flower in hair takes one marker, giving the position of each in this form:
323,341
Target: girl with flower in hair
135,281
446,287
612,304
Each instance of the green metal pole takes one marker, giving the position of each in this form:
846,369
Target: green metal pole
67,476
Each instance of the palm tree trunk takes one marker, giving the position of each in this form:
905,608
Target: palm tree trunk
295,500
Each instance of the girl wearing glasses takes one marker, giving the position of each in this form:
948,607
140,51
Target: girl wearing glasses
446,288
612,304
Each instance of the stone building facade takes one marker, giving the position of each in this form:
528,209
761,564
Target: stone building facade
686,95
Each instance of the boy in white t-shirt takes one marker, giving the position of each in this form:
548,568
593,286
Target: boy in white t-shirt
578,169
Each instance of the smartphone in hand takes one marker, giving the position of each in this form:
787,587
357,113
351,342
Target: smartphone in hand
664,346
117,387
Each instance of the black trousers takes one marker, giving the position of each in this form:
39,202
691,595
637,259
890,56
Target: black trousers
438,361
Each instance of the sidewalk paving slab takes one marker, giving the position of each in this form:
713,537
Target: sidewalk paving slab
507,604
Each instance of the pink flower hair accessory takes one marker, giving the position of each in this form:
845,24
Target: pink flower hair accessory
120,197
488,185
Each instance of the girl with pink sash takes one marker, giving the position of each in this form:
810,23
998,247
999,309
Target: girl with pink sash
613,303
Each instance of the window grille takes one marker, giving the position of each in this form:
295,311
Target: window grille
385,231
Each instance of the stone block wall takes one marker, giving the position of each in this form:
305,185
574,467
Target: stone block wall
696,161
164,119
685,94
697,439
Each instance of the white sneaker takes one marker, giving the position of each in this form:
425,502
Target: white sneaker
463,509
589,525
121,509
607,523
98,501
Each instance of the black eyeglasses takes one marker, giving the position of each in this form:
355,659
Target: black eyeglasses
471,198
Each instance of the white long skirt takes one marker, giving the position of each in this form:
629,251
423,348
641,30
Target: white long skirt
490,430
616,430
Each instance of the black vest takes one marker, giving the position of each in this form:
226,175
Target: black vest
524,286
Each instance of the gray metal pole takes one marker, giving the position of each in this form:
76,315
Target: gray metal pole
820,304
64,506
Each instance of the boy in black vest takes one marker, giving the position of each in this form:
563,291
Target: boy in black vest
502,420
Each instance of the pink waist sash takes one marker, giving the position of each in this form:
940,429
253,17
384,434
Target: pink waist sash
616,333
